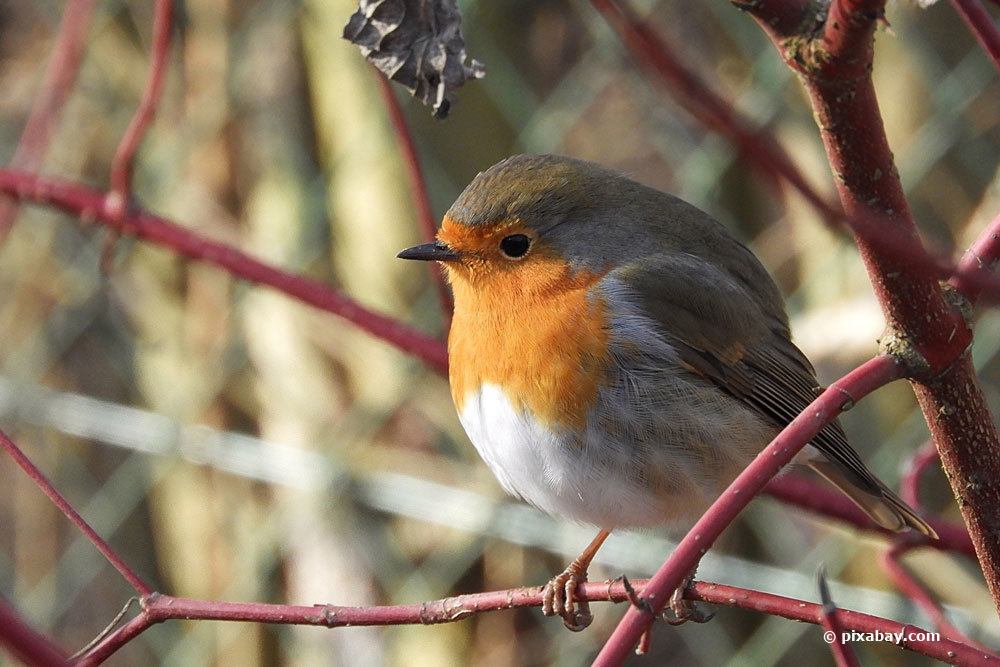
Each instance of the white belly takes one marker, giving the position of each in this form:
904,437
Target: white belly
582,481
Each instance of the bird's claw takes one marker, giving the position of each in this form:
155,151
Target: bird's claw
680,610
559,599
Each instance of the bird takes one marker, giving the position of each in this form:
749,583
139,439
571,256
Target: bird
617,357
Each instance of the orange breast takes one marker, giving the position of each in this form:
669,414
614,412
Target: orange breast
535,329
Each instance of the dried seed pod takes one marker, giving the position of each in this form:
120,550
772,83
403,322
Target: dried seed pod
417,43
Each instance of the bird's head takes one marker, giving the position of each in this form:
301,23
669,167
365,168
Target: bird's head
531,223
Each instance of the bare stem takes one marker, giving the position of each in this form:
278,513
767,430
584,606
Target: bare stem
756,145
909,485
913,589
157,608
123,163
820,499
140,586
834,56
842,652
418,187
57,84
981,25
976,270
25,643
92,205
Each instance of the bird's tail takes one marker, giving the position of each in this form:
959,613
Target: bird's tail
883,507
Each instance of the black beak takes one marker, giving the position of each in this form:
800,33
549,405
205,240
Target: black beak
429,252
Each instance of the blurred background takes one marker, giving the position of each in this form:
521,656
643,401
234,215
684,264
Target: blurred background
234,444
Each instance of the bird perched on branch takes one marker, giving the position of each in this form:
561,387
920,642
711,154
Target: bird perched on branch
617,357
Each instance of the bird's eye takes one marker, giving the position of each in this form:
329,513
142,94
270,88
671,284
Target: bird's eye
515,246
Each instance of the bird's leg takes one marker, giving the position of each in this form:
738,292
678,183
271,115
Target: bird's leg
559,596
681,611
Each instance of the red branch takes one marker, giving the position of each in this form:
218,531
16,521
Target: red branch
924,332
57,84
975,271
758,146
418,186
91,205
981,25
973,276
945,650
157,608
123,163
841,394
920,463
140,586
24,643
825,501
914,590
843,654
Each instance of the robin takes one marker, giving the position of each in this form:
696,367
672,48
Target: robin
617,357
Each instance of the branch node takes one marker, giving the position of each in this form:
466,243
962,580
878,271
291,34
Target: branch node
146,601
848,399
634,599
115,208
899,346
327,615
959,301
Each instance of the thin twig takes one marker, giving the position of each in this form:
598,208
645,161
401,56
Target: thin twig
119,198
756,145
976,269
981,25
919,464
140,586
158,608
909,586
843,654
91,205
57,85
25,643
797,491
123,163
108,629
418,187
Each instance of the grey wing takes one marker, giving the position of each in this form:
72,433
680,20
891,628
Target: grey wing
730,328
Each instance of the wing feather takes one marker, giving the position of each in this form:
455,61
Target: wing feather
738,338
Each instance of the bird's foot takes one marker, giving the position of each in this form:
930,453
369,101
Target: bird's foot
680,610
559,598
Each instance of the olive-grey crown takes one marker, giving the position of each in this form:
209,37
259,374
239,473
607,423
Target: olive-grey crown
596,217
